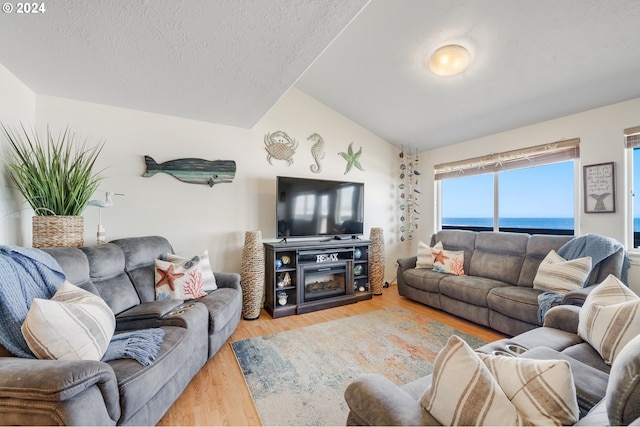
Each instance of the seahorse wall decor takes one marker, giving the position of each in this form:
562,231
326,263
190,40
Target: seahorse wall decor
317,151
194,171
280,146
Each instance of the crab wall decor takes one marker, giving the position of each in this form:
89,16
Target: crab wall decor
280,146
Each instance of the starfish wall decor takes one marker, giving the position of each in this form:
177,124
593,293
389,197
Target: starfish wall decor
353,159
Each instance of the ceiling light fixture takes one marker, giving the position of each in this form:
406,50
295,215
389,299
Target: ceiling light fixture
449,60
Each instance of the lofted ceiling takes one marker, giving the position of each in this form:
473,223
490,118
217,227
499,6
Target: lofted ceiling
229,61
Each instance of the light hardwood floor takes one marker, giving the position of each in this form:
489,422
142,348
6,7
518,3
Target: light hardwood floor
218,394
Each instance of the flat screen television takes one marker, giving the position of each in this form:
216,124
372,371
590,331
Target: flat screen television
315,207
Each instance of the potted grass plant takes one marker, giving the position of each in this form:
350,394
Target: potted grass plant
56,176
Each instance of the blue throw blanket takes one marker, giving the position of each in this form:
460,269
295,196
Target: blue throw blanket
594,245
27,273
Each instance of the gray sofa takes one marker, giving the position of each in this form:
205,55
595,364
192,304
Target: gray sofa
607,395
497,288
122,392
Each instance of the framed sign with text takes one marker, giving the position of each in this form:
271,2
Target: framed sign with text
599,188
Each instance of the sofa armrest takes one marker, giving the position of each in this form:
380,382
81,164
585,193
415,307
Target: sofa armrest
564,317
577,296
57,381
406,263
228,280
375,400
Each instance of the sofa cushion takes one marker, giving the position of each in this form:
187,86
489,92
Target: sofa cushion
221,305
470,388
499,256
515,302
610,318
73,325
425,254
106,269
423,279
469,289
557,275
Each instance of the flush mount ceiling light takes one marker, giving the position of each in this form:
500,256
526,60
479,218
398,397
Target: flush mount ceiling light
449,60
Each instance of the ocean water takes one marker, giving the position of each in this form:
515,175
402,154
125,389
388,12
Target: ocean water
551,223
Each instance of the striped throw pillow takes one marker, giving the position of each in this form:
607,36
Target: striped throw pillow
557,275
208,278
470,388
425,254
609,318
73,325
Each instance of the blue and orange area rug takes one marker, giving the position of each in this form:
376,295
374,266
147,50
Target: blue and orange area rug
298,377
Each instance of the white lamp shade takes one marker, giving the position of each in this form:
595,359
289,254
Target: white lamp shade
449,60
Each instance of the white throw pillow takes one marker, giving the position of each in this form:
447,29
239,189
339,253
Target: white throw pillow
208,278
557,275
73,325
178,280
425,254
470,388
609,318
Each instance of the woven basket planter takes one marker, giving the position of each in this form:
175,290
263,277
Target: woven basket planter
252,275
376,261
57,231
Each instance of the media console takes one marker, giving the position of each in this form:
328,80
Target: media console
306,276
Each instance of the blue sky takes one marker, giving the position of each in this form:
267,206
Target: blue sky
541,192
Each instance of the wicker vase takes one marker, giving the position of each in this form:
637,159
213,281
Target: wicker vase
252,275
57,231
376,261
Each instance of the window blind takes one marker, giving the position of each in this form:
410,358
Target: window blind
555,152
632,137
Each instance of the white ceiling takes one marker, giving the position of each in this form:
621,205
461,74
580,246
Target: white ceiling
229,61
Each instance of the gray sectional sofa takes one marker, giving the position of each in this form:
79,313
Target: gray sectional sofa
497,288
121,392
606,395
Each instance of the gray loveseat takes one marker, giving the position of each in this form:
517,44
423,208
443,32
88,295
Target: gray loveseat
607,395
123,392
497,288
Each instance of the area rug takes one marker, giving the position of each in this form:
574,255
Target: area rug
298,377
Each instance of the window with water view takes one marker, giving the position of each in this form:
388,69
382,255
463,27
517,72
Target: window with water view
538,200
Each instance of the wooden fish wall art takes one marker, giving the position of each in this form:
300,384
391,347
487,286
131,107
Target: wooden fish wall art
194,171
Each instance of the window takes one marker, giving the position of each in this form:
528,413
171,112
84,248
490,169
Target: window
528,190
632,142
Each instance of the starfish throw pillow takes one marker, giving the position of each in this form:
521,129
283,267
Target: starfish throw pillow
178,280
450,262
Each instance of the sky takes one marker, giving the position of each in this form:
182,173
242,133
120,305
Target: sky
540,192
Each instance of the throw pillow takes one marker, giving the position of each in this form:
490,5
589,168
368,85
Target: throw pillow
178,280
208,278
609,318
557,275
425,254
73,325
470,388
450,262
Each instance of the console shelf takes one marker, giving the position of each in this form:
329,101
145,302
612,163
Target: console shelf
306,276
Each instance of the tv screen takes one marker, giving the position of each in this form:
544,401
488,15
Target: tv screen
314,207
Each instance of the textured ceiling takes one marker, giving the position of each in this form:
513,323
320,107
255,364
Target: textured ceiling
222,61
229,61
532,61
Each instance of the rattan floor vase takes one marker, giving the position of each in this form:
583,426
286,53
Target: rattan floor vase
57,231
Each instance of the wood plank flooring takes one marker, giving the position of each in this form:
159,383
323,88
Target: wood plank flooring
218,394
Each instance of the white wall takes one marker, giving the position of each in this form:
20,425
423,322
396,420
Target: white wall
194,217
601,140
17,104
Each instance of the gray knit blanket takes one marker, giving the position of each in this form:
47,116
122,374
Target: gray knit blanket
596,246
27,273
